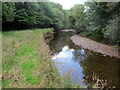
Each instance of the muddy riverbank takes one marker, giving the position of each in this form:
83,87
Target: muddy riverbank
95,46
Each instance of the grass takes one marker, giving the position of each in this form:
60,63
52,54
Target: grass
26,62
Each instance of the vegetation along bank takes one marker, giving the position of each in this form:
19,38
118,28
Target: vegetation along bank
26,62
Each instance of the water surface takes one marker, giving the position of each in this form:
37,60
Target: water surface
81,65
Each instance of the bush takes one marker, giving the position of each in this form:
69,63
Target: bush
112,31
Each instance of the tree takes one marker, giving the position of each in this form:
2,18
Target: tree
8,11
112,30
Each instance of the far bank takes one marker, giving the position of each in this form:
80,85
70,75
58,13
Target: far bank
95,46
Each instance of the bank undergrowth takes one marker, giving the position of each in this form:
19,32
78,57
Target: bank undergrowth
27,63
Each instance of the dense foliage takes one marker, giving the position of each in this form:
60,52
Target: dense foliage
99,20
22,15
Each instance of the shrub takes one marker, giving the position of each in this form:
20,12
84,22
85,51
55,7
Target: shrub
112,30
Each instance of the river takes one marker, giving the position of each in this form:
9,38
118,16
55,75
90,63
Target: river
84,67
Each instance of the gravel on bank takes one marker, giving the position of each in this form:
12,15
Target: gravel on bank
95,46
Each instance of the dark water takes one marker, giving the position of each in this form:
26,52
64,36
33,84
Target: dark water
82,66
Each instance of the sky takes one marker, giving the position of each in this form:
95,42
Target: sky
67,4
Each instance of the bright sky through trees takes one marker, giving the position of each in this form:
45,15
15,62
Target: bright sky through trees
67,4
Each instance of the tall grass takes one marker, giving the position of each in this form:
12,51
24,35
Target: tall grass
26,62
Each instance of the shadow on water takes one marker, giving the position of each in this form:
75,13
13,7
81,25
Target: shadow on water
82,66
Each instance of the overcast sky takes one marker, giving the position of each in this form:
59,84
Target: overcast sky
67,4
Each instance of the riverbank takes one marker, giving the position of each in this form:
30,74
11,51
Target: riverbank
26,62
95,46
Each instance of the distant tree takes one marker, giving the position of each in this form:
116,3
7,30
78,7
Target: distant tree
33,14
100,19
8,11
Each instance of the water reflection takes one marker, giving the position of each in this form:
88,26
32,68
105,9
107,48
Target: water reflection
80,64
65,53
105,67
68,64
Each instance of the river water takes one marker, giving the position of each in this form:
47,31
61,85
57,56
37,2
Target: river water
84,67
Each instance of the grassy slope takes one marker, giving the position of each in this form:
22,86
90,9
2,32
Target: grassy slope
26,62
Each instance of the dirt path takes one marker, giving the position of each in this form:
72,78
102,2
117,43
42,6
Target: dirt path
95,46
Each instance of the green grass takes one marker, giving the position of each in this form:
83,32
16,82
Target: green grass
26,62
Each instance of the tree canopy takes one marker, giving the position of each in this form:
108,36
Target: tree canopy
99,20
32,14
